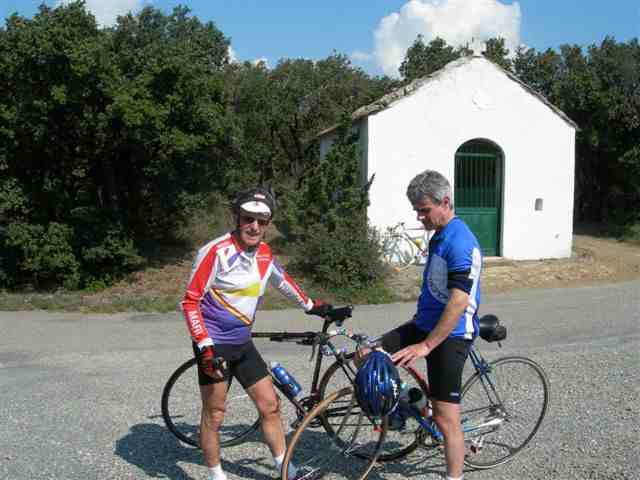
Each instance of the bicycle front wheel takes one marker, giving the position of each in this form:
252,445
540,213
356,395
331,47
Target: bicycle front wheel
317,455
401,438
398,252
181,408
502,410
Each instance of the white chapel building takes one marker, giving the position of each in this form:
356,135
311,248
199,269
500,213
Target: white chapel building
508,153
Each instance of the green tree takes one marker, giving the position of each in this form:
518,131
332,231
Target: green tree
498,53
335,246
538,70
422,60
281,111
109,133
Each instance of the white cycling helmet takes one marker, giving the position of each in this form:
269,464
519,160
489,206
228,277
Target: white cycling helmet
255,201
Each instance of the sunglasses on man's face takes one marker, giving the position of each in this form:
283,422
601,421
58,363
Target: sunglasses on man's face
245,219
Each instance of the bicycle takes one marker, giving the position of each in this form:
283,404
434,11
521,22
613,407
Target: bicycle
181,400
503,405
402,248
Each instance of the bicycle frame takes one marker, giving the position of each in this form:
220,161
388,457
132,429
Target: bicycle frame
395,252
304,404
482,367
423,248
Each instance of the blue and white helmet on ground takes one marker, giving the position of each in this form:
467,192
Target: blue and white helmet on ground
378,385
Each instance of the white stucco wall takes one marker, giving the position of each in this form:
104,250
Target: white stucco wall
477,100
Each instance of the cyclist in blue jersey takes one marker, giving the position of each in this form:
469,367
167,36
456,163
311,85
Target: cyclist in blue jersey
446,320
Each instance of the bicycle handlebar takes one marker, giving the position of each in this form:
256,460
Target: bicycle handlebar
336,315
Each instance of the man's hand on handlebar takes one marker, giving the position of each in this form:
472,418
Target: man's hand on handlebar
212,366
320,309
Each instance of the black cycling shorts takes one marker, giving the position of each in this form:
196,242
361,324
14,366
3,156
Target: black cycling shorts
243,361
444,363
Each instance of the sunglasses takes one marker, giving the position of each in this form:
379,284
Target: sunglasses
249,219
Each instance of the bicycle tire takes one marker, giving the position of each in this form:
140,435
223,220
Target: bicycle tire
515,400
181,407
315,454
399,252
399,442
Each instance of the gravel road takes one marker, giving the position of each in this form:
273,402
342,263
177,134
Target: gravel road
80,394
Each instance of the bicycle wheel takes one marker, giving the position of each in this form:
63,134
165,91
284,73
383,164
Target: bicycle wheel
503,410
181,407
398,252
317,455
401,438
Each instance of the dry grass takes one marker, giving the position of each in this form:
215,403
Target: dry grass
160,287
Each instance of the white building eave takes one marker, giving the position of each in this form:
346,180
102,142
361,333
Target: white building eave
391,98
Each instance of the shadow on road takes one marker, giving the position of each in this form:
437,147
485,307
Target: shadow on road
152,448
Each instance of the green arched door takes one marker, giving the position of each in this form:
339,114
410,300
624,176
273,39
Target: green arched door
478,191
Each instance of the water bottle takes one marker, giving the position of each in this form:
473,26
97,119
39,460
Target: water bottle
285,379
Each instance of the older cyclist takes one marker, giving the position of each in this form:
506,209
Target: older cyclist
227,282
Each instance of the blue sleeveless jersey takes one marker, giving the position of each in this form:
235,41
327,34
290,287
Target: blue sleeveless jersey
454,253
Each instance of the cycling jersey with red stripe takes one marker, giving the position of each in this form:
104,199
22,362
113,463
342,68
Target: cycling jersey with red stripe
226,288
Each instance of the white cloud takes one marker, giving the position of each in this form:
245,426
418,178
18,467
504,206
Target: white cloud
261,60
233,58
107,11
456,21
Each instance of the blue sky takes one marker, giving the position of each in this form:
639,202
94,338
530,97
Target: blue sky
376,33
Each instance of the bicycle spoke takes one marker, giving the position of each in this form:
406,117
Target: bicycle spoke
503,411
350,454
401,436
182,407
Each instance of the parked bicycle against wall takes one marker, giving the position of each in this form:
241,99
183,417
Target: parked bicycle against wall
403,246
503,405
181,402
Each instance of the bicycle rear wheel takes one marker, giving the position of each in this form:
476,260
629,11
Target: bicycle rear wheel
398,252
502,410
401,438
317,455
181,407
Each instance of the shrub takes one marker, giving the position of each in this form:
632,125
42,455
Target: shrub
204,216
344,259
326,220
44,253
114,255
631,232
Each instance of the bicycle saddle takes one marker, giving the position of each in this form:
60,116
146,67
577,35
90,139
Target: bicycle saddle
491,330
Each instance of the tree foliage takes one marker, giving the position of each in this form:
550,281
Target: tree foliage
102,130
113,139
422,60
600,90
334,243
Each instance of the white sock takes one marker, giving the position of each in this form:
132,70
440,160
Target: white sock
216,473
292,472
455,478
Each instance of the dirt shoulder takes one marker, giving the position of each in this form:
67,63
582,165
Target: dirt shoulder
594,260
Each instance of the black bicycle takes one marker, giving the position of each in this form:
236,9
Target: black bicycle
181,402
